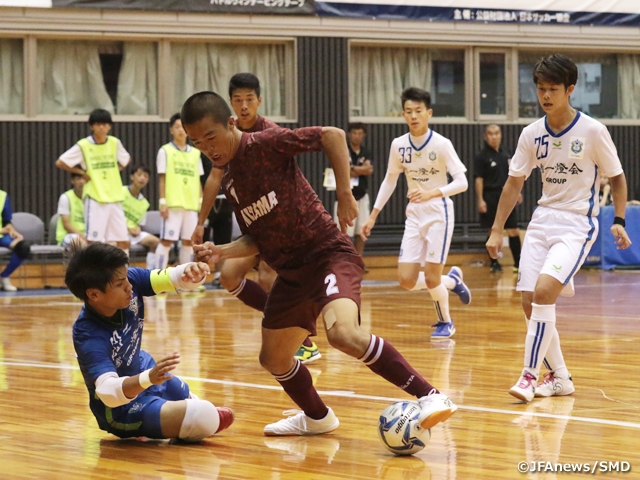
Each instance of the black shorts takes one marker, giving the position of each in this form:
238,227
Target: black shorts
492,197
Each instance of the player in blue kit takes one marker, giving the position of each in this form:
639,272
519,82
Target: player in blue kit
129,393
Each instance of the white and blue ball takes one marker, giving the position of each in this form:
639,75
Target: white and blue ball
399,429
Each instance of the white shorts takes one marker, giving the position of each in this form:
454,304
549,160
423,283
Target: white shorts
180,224
139,238
364,209
105,222
427,232
557,243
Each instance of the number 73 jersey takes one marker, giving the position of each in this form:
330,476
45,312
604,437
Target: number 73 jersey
424,160
570,162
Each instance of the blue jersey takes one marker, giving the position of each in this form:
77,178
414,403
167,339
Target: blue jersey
103,345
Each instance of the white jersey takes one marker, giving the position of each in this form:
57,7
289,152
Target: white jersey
570,162
424,160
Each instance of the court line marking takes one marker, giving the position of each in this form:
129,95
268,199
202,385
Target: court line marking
346,394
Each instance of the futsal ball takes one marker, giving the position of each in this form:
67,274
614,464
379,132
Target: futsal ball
399,430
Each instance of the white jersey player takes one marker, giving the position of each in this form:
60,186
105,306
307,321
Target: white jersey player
425,157
571,151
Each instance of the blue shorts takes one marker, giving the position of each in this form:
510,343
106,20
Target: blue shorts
141,417
5,241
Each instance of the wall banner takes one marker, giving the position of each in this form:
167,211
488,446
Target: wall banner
280,7
539,12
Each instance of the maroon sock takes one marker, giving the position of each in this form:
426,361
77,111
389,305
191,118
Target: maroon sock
307,342
298,384
251,294
382,358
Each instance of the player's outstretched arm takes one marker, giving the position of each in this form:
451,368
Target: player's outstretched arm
508,199
209,253
209,194
619,193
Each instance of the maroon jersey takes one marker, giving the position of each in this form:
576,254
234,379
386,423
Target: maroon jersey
275,204
261,124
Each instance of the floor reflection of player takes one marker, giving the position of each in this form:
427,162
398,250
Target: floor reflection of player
543,436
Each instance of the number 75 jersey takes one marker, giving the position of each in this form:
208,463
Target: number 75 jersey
570,162
424,160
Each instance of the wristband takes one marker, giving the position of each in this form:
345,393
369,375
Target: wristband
162,201
144,380
619,221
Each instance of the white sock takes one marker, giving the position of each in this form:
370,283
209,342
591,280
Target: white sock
440,296
542,328
448,282
555,359
421,283
162,256
151,260
186,254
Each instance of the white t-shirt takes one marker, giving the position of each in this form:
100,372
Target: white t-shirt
424,160
161,161
64,208
74,157
570,162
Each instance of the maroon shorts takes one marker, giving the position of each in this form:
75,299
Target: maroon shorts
298,296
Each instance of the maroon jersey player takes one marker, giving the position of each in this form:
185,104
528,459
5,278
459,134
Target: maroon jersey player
319,271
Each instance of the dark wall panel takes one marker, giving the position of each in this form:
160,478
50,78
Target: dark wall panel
28,151
323,98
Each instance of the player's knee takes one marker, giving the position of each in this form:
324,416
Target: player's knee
347,338
22,249
201,420
407,281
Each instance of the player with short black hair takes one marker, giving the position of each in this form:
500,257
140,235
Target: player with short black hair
179,169
571,151
425,157
244,96
319,271
131,395
70,226
135,207
99,158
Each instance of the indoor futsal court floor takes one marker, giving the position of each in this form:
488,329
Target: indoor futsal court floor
48,432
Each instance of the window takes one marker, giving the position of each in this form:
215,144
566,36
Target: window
605,87
78,76
378,75
11,76
209,66
492,84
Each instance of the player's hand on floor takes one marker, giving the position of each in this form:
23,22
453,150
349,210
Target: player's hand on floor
621,237
195,272
161,372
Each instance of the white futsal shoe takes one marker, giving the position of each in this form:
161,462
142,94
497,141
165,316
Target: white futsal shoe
525,389
553,386
299,424
436,408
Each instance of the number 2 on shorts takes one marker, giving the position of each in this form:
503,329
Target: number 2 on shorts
331,283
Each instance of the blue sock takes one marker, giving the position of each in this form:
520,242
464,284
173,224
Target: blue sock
14,262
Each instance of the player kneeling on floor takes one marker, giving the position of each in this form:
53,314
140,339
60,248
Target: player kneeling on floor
129,393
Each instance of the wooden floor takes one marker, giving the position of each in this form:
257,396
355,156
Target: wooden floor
48,432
